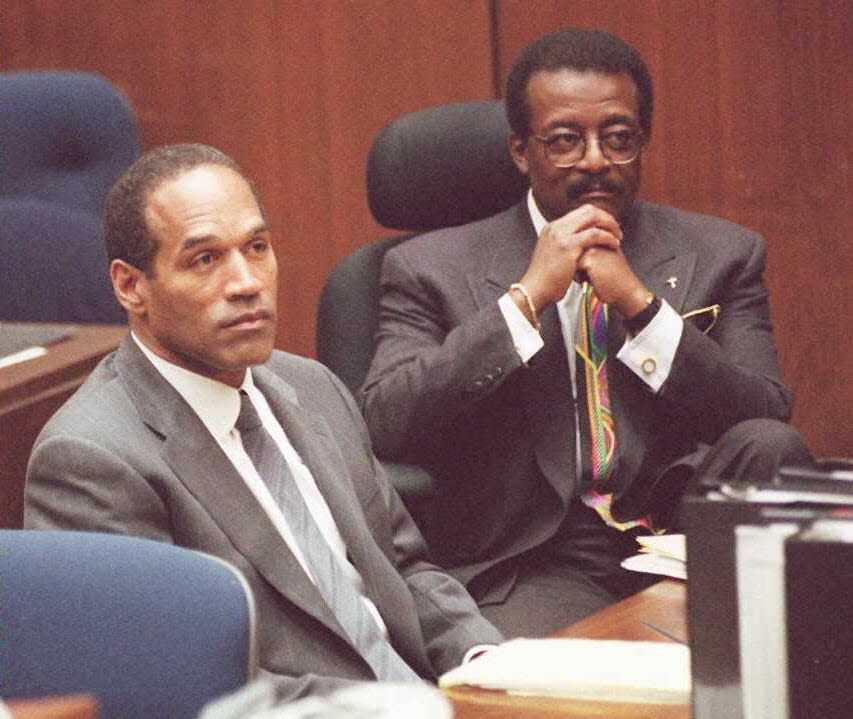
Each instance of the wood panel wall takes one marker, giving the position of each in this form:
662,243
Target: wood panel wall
294,90
753,106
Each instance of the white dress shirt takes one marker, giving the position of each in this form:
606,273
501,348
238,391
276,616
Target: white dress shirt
217,406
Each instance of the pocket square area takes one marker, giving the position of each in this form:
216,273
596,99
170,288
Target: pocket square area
703,318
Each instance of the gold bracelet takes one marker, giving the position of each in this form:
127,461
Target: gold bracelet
524,293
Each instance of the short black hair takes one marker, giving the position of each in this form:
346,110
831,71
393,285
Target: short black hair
582,50
126,232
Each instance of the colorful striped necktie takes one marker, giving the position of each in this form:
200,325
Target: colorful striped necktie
592,350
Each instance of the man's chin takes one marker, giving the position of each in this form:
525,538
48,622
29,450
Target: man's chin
253,355
241,356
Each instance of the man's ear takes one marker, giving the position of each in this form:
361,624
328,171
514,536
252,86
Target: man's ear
517,145
130,286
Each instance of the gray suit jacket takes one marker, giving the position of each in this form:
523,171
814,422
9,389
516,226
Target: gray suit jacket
447,389
126,454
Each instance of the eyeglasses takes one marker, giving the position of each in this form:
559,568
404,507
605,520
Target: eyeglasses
566,148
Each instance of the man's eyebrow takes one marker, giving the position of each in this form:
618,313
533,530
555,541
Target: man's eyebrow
614,119
192,242
623,118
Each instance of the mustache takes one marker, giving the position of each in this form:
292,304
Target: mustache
594,184
248,317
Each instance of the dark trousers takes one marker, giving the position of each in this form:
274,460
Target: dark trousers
577,572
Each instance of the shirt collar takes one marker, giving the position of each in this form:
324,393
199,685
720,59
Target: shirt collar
216,404
536,215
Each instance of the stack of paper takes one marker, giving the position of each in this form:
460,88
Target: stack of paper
606,670
664,554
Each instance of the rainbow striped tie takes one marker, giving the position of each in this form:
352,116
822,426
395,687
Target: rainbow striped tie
593,352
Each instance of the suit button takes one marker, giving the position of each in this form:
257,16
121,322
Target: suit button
649,365
499,372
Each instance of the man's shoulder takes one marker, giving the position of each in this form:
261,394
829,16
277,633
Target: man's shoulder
449,244
652,216
99,407
286,363
300,375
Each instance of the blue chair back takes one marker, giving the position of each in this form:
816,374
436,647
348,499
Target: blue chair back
65,138
149,629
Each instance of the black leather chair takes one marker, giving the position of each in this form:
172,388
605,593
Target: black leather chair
439,167
66,137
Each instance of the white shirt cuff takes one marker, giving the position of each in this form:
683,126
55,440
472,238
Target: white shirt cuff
525,338
650,354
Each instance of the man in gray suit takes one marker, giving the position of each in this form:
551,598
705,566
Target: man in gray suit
156,444
541,481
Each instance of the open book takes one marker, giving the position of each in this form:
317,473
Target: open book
602,669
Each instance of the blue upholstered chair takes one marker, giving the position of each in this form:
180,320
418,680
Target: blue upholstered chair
435,168
150,629
65,137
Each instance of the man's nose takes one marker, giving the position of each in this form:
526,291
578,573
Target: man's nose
243,279
593,159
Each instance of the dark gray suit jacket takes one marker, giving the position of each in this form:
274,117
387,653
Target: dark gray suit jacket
126,454
447,389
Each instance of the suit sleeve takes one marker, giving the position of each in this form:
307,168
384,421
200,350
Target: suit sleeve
76,483
450,619
434,361
730,374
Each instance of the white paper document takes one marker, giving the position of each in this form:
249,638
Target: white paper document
667,545
599,669
664,554
22,356
656,564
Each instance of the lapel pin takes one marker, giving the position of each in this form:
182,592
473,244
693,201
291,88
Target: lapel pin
672,281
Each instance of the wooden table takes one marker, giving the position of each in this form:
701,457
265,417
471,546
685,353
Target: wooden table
663,606
30,392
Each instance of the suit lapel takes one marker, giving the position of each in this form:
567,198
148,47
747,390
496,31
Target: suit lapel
313,441
511,248
546,386
209,476
659,258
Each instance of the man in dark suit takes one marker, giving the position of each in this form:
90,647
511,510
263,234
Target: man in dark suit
157,444
541,475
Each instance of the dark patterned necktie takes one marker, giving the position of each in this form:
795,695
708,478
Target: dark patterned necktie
334,586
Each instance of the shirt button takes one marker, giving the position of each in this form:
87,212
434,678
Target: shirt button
649,365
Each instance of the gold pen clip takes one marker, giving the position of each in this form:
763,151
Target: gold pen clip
704,318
